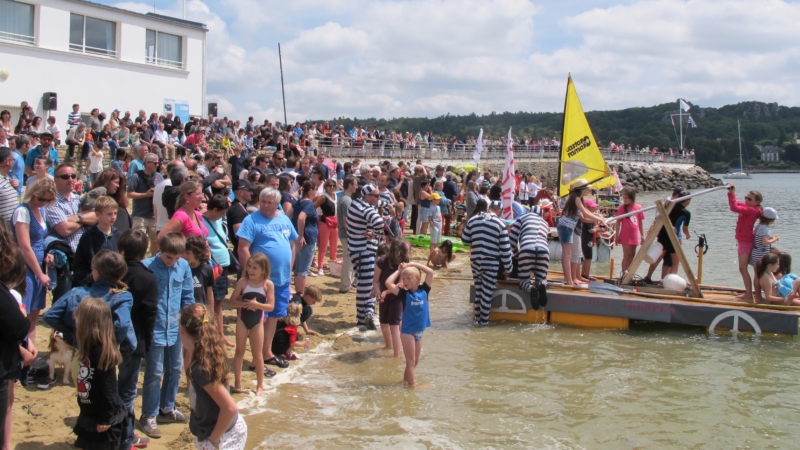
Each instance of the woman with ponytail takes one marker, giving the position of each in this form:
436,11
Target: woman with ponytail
215,421
108,269
306,223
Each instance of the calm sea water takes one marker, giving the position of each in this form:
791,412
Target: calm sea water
556,387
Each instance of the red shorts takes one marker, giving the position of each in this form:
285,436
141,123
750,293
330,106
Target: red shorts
744,247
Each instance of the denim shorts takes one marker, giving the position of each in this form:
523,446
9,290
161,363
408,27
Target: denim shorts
417,335
303,260
221,286
424,213
565,234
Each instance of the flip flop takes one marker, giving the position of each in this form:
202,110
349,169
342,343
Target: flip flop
267,372
275,361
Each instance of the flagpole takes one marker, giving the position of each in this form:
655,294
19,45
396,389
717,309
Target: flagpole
680,123
283,93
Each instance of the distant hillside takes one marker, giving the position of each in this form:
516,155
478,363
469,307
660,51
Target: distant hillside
714,139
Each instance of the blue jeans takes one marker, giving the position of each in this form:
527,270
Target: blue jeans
303,260
126,382
156,394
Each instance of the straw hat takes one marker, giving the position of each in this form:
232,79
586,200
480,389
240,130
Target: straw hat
580,184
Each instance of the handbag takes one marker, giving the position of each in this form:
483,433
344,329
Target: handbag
235,264
331,222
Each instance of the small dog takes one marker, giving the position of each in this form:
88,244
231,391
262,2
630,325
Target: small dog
60,353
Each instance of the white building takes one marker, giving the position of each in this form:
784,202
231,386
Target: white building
769,153
99,57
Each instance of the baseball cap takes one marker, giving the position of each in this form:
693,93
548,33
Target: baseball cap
677,190
436,196
242,184
770,213
590,203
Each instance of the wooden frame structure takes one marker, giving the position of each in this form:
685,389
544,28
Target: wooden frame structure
663,221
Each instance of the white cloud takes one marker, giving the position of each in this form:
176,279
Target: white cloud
386,58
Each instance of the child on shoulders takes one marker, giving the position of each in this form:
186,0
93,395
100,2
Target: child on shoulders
416,316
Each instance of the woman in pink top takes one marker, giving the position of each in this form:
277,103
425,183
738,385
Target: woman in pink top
630,230
749,211
187,220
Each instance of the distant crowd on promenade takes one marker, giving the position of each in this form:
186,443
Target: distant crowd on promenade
168,132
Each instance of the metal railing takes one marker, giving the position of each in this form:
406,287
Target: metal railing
444,152
20,38
80,48
163,62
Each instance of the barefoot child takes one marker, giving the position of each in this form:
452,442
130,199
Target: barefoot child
254,294
103,415
749,211
390,309
286,333
442,255
630,230
762,243
196,255
215,421
416,316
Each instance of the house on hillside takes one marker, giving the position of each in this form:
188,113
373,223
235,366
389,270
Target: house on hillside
769,153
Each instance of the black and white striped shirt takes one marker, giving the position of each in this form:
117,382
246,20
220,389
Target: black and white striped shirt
361,218
487,236
387,197
529,232
71,118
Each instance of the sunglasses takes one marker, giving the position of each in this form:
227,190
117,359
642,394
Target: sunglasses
44,200
749,199
67,176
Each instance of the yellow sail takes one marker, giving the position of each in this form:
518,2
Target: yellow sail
580,156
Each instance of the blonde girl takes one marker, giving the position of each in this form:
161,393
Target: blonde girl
215,421
102,412
253,296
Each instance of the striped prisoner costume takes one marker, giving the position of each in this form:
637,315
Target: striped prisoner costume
361,218
487,237
529,247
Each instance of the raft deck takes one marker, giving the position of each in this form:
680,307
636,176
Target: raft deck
578,306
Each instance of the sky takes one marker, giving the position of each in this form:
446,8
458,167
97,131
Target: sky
427,58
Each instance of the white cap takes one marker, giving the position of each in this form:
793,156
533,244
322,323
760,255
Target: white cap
770,213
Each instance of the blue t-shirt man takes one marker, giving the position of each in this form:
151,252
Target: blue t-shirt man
416,315
36,152
273,238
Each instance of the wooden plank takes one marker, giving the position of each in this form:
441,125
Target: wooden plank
589,321
694,288
648,240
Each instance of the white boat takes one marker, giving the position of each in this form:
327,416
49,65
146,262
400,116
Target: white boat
739,175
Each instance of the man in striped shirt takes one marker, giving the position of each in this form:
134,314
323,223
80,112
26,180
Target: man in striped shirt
487,236
529,248
74,118
364,229
8,186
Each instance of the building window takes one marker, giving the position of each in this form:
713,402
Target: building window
16,22
163,49
90,35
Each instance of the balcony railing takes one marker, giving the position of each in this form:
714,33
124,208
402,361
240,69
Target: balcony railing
20,38
92,50
439,152
163,62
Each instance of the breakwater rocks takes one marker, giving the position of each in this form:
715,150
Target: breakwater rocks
655,177
643,177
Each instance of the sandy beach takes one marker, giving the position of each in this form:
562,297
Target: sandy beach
43,419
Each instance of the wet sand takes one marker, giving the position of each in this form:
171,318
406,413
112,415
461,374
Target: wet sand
43,419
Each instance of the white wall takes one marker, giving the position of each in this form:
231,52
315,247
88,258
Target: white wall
124,83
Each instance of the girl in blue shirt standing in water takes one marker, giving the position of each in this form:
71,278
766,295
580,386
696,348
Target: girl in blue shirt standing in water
416,315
